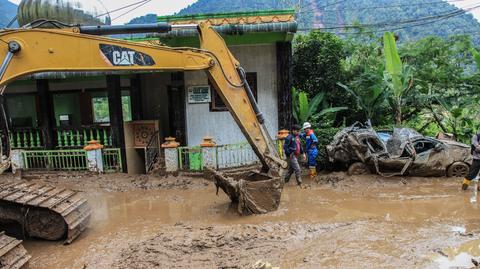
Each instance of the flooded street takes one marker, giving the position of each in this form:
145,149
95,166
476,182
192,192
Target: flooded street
339,222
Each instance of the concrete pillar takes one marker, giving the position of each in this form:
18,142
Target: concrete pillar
281,136
209,153
136,97
114,90
94,156
17,160
46,115
171,154
284,84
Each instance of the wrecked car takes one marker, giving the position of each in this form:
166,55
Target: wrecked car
360,149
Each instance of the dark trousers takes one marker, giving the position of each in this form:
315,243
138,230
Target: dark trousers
474,169
294,167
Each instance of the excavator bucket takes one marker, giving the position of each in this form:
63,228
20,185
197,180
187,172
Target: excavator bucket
44,211
251,192
12,254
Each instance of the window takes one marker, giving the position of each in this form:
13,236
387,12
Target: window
126,107
217,103
22,110
101,112
66,106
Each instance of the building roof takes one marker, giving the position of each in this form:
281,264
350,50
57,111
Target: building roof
237,28
253,17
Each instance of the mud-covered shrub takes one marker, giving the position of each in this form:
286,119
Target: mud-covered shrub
325,137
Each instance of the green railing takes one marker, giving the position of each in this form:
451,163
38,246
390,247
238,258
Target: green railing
70,160
25,139
112,160
79,137
65,137
55,160
190,159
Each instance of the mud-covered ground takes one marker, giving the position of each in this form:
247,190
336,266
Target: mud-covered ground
338,222
111,182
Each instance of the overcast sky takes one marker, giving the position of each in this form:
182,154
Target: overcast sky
159,7
168,7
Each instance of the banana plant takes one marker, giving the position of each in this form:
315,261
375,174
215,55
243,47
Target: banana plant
304,109
369,101
398,77
457,118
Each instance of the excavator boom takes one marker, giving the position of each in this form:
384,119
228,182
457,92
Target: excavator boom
82,49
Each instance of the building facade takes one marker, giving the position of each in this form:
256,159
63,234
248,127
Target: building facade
59,111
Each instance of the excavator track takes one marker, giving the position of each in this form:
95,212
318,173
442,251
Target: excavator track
44,211
12,254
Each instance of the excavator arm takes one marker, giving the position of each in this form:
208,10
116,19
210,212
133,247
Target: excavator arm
82,48
28,51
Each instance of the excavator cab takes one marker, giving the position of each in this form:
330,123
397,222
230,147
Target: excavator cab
34,49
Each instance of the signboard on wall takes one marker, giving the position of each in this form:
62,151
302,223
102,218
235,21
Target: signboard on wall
199,94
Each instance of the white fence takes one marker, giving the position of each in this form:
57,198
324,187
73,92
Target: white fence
236,155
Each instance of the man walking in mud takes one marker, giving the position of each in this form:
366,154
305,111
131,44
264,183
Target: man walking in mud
293,150
475,167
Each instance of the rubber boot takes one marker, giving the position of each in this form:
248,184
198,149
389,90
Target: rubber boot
299,181
465,184
313,172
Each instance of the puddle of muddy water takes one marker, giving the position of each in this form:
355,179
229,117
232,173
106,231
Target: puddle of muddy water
459,257
137,215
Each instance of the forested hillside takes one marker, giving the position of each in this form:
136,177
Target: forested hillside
149,18
410,20
8,10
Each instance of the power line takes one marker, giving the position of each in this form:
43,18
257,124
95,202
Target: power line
383,7
429,19
332,4
395,28
400,27
395,6
14,19
122,8
135,8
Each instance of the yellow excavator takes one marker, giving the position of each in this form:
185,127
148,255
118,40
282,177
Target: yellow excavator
35,49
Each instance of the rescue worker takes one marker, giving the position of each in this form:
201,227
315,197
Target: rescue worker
293,150
311,142
475,167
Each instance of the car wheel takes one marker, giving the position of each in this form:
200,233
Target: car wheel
458,169
357,168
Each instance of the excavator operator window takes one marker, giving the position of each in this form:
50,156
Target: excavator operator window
217,103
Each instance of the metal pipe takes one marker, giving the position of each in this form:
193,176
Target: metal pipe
6,62
161,27
251,98
184,26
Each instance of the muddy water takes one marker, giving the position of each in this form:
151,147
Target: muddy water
403,212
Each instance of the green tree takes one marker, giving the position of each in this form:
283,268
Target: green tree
317,63
445,87
476,56
363,68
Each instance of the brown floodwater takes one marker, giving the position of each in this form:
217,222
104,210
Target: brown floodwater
131,216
